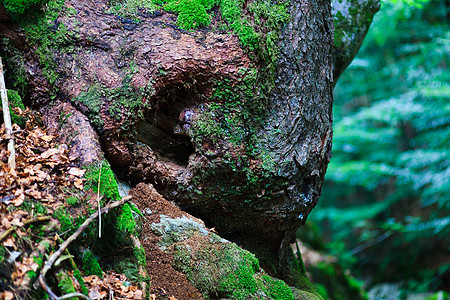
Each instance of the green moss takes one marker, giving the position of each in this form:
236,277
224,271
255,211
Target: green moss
15,101
241,282
34,207
91,265
182,259
191,13
125,221
234,114
65,220
131,8
92,99
223,270
65,284
19,7
277,289
50,38
124,102
79,278
14,60
72,201
139,253
108,184
2,253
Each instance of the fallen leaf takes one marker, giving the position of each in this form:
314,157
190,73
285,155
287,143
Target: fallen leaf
20,197
17,222
8,295
49,153
47,138
78,183
138,295
76,172
6,223
94,293
29,261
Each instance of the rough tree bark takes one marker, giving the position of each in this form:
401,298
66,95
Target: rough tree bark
162,102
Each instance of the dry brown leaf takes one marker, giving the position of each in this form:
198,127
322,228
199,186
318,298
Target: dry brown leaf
32,265
49,198
76,172
49,153
7,295
47,138
17,222
78,184
5,223
133,288
21,269
20,197
10,242
33,193
138,295
94,293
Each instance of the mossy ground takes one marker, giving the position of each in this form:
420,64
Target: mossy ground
18,8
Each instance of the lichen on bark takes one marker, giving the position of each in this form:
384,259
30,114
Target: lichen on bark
352,19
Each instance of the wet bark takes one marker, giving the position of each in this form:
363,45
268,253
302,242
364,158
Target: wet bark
146,88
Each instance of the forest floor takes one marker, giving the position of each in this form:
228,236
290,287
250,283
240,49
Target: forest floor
43,180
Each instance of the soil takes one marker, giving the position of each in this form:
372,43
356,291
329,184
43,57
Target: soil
165,280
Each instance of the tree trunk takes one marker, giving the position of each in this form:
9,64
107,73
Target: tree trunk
237,132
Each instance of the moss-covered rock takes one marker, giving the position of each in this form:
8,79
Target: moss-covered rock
217,267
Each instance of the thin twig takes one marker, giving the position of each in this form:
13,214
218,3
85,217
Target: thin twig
371,242
7,120
51,260
98,203
27,222
73,295
46,288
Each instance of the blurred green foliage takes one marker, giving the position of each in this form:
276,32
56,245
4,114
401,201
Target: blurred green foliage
387,194
19,7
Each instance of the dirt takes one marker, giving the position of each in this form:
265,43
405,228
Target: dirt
165,280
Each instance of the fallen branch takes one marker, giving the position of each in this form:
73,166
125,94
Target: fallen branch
7,120
51,260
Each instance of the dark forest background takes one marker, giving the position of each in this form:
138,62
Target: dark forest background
384,211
